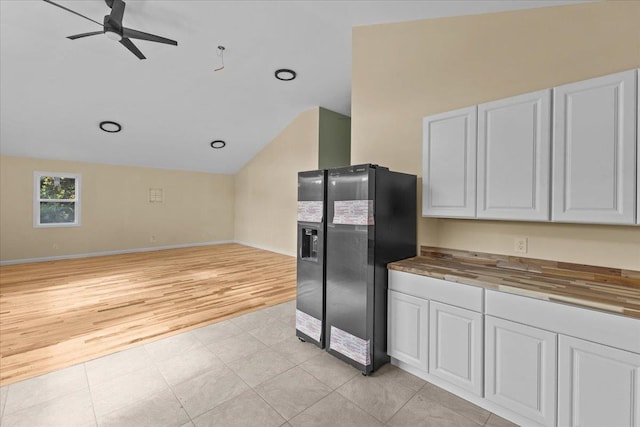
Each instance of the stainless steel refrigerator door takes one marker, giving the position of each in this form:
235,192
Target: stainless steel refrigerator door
349,264
310,259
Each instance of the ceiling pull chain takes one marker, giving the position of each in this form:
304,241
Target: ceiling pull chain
221,55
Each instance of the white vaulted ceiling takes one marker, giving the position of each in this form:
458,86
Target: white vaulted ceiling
55,91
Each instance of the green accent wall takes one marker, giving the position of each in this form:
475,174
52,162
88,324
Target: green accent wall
334,140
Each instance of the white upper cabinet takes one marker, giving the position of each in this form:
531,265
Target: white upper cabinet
449,164
567,154
594,150
514,146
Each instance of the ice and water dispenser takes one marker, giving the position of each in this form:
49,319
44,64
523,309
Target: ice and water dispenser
309,244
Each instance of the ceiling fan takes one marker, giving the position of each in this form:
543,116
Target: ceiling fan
112,28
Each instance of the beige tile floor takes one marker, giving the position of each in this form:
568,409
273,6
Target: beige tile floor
246,371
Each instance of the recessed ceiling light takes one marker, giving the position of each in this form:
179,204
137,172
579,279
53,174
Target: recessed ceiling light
218,143
285,74
111,127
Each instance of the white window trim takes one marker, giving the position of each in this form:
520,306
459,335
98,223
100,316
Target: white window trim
36,199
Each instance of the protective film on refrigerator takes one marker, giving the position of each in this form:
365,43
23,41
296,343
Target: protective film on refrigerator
310,211
351,346
353,212
308,325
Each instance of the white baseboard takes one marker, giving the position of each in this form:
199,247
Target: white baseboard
116,252
265,248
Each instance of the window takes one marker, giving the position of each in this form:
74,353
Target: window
56,199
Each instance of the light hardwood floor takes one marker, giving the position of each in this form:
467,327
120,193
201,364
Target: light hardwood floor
59,313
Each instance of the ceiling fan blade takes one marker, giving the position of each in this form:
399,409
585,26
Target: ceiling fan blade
135,34
72,11
117,12
79,36
132,47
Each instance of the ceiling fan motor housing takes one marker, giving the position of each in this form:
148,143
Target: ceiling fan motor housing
112,27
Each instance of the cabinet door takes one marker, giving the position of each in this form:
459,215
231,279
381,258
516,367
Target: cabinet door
514,156
597,385
455,346
594,150
449,164
408,329
638,149
520,369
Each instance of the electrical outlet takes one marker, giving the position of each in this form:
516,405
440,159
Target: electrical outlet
520,245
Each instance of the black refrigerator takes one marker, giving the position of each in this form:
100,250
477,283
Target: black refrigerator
371,221
310,303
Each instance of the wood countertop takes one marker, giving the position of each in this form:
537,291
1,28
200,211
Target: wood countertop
601,288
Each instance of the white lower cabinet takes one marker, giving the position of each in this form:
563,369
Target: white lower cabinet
520,369
455,346
534,362
408,329
597,385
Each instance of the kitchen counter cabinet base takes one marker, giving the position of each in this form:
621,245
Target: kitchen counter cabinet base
455,346
520,370
526,336
594,385
407,335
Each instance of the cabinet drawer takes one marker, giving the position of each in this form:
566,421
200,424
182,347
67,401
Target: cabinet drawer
456,294
608,329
